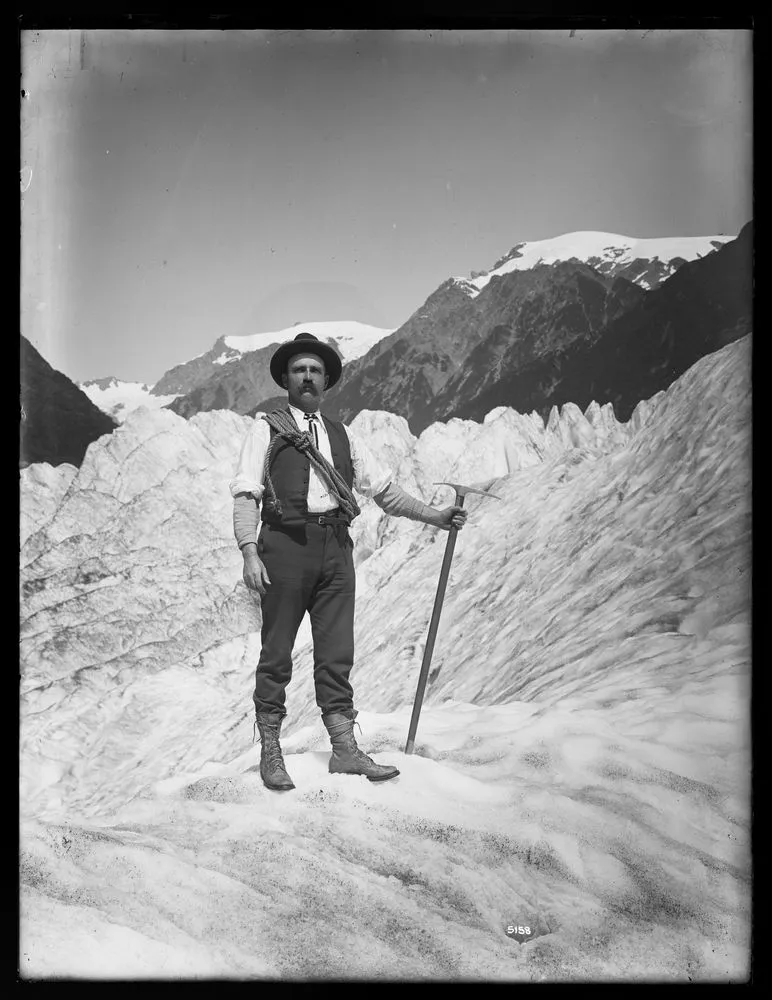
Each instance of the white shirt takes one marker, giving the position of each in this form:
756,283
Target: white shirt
370,475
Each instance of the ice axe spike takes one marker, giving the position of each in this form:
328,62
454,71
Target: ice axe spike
461,492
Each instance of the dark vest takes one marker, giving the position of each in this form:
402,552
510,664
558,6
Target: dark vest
290,470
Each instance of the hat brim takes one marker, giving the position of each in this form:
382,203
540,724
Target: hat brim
332,363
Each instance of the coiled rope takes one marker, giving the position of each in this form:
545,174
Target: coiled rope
285,427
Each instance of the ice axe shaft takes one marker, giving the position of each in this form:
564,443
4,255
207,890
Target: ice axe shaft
461,492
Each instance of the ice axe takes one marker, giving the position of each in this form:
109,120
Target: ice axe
461,492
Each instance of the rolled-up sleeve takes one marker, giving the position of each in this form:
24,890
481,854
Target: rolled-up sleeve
371,475
246,519
248,477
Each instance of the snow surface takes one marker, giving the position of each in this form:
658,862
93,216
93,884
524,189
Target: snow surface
586,245
582,760
353,339
119,399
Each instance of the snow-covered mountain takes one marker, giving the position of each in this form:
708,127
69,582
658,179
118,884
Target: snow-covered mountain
582,761
646,262
118,398
533,336
433,345
209,375
630,355
350,338
239,376
554,321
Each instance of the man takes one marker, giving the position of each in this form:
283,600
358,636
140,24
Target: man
303,467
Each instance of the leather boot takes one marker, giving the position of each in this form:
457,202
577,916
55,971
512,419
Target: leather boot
272,769
346,757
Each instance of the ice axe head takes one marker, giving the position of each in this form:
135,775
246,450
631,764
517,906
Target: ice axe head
461,492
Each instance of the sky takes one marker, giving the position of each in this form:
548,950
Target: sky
182,185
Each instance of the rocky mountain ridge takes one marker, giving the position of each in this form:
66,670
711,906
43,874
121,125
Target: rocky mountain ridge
58,420
436,345
516,340
544,326
634,354
536,312
233,374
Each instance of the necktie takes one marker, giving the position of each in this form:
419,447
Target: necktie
311,418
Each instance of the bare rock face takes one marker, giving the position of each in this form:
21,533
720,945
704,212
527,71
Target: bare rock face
460,341
238,384
58,420
181,379
637,350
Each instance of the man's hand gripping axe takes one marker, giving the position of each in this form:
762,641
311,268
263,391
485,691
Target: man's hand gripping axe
461,492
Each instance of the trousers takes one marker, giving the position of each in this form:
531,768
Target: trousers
311,570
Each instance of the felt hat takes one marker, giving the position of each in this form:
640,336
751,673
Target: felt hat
306,343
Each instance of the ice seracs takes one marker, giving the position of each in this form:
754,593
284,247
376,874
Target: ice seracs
43,486
583,753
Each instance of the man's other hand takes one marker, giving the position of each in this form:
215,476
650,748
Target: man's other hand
451,517
255,574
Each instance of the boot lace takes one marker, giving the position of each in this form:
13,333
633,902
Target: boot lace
271,747
354,750
273,754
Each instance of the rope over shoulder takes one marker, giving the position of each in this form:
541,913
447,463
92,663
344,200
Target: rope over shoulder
285,427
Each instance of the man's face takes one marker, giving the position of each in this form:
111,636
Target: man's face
305,381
